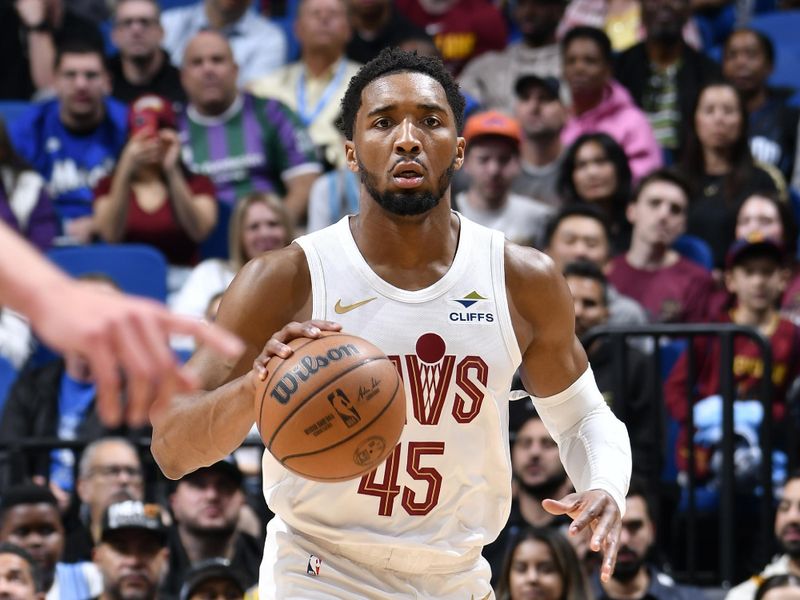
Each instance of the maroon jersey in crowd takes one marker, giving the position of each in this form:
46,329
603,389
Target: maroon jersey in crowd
677,294
467,29
747,370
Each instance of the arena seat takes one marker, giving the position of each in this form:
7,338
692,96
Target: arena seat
695,249
136,268
8,373
782,27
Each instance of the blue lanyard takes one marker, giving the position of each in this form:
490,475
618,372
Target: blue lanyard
304,115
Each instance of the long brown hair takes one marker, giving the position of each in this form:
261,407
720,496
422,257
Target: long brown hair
576,585
693,162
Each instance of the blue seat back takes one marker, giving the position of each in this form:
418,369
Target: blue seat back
136,268
8,373
695,249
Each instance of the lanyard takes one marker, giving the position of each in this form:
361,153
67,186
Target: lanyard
304,115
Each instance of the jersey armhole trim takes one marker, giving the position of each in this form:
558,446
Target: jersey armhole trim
317,274
501,298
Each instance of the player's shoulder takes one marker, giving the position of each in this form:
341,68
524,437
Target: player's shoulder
283,265
526,266
275,286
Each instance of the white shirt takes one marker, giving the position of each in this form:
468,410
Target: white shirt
521,219
259,46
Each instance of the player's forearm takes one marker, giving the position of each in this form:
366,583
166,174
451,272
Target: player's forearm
199,429
593,444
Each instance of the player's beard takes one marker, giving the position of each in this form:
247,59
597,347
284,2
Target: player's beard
411,203
545,489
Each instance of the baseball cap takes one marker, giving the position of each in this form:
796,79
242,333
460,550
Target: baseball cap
213,568
133,514
151,112
495,123
755,243
526,83
227,466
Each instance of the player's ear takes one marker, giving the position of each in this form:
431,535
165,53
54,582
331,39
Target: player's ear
461,146
350,156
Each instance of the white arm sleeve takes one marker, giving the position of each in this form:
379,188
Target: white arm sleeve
593,444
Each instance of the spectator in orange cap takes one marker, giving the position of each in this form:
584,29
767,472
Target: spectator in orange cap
492,162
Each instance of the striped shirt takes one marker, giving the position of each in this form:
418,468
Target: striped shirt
255,145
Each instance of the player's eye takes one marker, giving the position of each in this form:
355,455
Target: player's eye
432,121
382,123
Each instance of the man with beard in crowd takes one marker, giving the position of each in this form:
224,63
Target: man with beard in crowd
787,532
206,505
636,576
132,552
538,474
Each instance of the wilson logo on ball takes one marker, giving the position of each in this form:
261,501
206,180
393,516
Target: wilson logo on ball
286,387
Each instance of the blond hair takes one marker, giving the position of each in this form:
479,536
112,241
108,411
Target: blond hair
236,250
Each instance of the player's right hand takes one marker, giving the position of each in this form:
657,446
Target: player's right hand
277,344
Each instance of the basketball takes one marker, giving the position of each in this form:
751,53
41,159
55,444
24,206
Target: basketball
333,410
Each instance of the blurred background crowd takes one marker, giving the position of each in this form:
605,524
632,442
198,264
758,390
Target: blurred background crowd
649,147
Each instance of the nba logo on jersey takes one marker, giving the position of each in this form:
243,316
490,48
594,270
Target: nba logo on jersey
314,563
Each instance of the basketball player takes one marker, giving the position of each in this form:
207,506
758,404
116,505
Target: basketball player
458,309
115,333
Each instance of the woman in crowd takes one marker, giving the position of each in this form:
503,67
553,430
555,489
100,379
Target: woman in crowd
151,197
259,223
542,564
718,164
595,171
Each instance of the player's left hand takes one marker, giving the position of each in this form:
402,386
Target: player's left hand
596,509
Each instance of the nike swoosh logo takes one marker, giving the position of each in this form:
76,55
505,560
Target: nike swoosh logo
341,309
486,597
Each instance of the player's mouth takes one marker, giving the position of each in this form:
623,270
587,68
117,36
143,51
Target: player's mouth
408,175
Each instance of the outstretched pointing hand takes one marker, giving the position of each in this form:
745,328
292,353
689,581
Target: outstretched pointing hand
596,509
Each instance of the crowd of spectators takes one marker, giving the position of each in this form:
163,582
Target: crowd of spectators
638,143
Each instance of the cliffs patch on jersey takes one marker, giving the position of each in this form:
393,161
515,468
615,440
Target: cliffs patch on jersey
473,308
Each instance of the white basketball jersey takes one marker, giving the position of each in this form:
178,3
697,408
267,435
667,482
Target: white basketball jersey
446,488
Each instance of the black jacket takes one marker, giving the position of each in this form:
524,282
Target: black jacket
31,411
632,69
640,407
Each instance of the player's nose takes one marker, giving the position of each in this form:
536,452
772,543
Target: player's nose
407,141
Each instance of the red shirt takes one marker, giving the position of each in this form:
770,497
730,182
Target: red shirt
160,228
469,28
676,294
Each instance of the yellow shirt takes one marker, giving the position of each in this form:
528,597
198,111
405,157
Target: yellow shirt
283,85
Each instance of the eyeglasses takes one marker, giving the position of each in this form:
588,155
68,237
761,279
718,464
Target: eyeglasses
144,22
115,471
